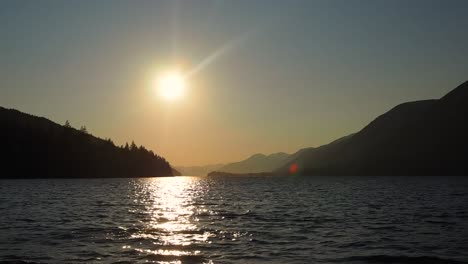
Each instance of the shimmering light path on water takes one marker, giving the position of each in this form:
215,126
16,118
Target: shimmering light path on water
235,220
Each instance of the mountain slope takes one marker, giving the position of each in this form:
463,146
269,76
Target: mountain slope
198,170
416,138
256,163
35,147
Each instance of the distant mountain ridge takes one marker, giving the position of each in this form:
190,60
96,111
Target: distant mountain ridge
35,147
198,170
427,137
256,163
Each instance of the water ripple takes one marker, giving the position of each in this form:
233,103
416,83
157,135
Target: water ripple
235,220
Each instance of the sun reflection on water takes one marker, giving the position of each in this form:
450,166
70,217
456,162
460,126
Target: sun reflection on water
169,217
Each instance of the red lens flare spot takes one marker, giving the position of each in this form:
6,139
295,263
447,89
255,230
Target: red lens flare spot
293,168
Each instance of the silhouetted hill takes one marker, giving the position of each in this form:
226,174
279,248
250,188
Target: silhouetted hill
35,147
256,163
175,172
227,174
198,170
417,138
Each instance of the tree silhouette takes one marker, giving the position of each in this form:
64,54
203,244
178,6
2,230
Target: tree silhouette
38,148
133,146
83,129
67,124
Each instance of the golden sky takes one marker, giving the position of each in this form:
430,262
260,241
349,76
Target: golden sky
261,76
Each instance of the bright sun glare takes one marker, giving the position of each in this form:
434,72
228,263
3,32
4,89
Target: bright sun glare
171,86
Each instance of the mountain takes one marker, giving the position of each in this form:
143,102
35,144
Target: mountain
256,163
175,172
35,147
198,170
417,138
227,174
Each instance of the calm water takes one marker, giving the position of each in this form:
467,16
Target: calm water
235,220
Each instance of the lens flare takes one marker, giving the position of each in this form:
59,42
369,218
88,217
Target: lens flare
293,168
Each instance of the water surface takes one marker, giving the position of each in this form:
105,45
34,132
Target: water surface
235,220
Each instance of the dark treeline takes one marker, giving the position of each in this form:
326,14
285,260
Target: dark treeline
36,147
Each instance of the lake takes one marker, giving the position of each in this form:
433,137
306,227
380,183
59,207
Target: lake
235,220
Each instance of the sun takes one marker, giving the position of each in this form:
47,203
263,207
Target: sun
171,85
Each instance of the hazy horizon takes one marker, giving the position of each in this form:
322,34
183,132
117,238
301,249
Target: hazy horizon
264,76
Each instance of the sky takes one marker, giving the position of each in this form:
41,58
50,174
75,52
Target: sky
265,75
